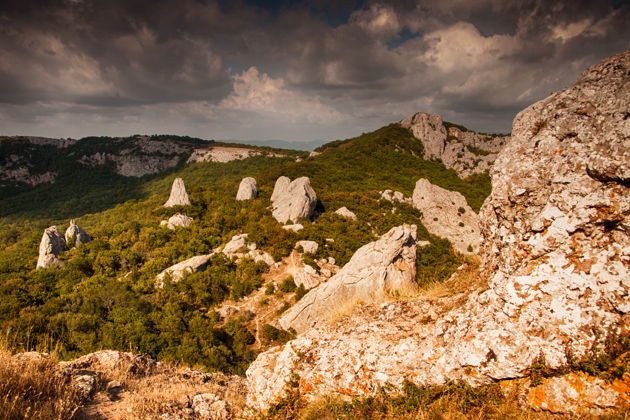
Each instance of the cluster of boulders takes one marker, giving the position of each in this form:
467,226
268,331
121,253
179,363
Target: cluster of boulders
555,253
53,243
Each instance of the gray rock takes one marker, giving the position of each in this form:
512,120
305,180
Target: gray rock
239,248
376,271
394,196
75,235
281,186
179,196
51,245
210,406
430,130
296,227
177,220
179,270
247,189
295,201
307,246
344,212
447,214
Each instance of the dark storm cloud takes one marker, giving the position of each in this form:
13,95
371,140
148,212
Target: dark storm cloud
303,68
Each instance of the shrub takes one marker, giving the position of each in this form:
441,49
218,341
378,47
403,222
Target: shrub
273,335
287,285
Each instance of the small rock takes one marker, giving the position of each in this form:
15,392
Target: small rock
344,212
177,220
294,227
309,247
75,235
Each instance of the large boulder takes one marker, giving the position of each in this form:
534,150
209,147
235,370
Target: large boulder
294,201
51,245
376,271
555,252
309,247
281,186
179,196
178,271
75,235
430,130
177,220
247,189
447,214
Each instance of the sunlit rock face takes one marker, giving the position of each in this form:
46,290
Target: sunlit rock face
247,189
293,200
555,250
179,196
51,245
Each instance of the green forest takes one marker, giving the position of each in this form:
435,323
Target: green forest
105,296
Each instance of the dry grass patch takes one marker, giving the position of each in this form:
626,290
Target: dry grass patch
35,389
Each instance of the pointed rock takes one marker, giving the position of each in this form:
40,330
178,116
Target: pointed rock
51,245
75,235
295,201
375,271
179,196
247,190
447,214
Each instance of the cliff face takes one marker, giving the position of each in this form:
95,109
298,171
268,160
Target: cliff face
460,149
556,256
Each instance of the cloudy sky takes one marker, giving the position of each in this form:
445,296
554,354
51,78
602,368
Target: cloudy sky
291,70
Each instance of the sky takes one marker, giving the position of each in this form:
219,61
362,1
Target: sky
289,70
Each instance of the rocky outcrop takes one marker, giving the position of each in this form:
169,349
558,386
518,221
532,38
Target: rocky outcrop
179,196
247,189
447,214
296,227
555,250
227,154
394,196
178,271
376,271
458,148
294,201
75,235
177,220
307,246
344,212
239,248
51,245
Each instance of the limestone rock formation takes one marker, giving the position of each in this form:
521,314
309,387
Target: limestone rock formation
179,196
296,227
394,196
294,201
344,212
282,184
224,154
179,270
51,245
377,270
460,149
177,220
247,189
447,214
75,235
555,251
307,246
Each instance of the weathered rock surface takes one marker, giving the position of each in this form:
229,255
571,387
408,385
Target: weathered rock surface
75,235
51,245
307,246
394,196
556,252
376,271
177,220
463,150
294,201
344,212
296,227
179,270
447,214
226,154
247,189
179,196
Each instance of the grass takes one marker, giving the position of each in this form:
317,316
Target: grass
35,389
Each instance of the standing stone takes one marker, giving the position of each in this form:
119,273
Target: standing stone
51,245
295,201
282,184
179,196
75,235
247,190
377,270
447,214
